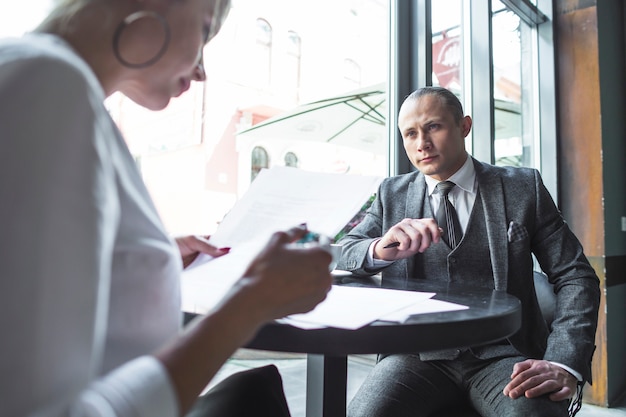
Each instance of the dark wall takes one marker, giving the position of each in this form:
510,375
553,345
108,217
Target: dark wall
591,84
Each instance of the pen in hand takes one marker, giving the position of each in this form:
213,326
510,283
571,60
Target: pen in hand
396,244
392,245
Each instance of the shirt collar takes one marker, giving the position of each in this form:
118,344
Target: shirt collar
464,178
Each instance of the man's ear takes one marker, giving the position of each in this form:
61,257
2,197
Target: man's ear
466,125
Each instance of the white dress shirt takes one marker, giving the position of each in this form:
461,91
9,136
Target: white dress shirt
462,196
89,279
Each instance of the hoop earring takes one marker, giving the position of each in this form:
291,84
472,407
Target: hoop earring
130,19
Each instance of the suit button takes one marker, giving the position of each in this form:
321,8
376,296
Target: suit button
452,260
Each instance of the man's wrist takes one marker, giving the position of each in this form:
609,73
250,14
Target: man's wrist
576,375
373,263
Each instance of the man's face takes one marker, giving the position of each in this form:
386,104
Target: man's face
434,142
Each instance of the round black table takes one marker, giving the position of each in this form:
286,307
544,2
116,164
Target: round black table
492,316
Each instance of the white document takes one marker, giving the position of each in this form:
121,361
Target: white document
205,282
282,197
424,307
354,307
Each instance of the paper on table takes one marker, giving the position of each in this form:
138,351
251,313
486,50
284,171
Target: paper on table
283,197
423,307
355,307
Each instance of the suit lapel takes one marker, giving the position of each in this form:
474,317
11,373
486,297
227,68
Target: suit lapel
495,217
415,198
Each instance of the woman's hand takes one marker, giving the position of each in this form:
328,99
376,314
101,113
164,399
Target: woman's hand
191,246
284,279
281,280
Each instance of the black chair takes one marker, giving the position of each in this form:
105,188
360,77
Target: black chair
547,303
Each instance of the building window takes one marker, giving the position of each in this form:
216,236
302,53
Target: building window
507,93
498,58
291,160
260,159
293,63
263,53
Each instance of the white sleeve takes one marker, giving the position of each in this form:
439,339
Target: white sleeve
139,388
373,263
59,214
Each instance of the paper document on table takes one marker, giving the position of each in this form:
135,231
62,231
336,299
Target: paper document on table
426,306
282,197
354,307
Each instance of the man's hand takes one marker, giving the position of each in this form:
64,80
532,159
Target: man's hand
411,236
533,378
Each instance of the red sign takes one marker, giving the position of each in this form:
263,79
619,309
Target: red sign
447,61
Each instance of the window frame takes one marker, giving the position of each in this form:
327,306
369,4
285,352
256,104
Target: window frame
410,58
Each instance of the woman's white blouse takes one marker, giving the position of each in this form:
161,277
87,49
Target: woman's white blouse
88,276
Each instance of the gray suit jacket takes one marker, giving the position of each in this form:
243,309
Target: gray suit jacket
508,195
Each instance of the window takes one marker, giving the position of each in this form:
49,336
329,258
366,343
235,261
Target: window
507,93
270,57
291,160
263,54
293,61
260,160
273,56
490,57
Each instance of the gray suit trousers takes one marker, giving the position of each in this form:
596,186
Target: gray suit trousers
405,386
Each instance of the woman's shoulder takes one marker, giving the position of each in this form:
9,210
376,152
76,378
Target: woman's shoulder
34,57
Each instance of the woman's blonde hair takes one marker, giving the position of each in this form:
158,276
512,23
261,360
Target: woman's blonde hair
65,10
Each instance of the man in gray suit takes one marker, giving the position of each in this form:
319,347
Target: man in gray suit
504,216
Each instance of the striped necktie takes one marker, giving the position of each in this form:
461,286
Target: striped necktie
447,218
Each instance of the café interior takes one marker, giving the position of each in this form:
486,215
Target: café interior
561,112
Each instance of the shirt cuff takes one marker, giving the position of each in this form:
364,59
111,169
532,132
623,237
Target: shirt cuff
141,387
578,376
370,262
